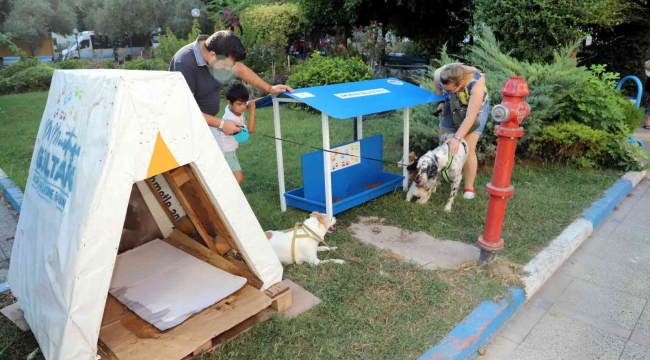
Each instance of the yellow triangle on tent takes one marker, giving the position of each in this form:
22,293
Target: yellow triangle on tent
162,158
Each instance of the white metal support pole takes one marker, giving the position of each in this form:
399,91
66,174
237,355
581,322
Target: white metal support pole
359,128
407,113
327,165
278,151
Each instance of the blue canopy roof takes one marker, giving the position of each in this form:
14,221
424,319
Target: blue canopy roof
347,100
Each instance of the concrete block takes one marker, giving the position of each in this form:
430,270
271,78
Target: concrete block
499,349
554,287
522,323
602,303
635,351
557,337
608,274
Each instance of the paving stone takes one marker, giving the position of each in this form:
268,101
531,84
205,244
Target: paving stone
8,222
634,351
640,338
302,300
602,303
4,270
589,320
417,247
606,228
554,287
561,338
633,255
607,274
520,325
500,348
632,231
643,203
643,325
542,303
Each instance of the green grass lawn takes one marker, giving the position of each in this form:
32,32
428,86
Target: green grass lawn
394,314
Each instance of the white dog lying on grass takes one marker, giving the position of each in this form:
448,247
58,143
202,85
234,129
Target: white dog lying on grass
300,244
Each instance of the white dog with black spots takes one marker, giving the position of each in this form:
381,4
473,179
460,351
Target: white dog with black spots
435,166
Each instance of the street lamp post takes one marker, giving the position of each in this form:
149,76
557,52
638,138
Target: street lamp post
76,39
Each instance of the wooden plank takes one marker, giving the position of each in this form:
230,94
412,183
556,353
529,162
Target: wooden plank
281,296
203,348
133,338
190,213
105,352
184,224
180,176
184,242
237,330
114,311
199,207
222,245
213,212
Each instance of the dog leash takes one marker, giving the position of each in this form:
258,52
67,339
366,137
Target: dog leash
335,152
307,230
445,176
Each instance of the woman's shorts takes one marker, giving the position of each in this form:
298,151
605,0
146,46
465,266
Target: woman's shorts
231,159
446,123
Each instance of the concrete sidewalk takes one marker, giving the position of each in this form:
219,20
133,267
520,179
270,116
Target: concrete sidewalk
8,222
596,306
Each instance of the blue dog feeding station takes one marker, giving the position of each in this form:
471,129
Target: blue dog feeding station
334,183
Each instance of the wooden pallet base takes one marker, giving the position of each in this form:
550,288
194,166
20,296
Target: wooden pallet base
125,336
281,296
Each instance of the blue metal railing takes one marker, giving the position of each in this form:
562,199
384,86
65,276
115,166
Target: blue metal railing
637,103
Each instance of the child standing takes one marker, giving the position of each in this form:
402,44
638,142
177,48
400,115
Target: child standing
237,97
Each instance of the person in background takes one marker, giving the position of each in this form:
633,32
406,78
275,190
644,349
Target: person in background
464,112
210,62
237,97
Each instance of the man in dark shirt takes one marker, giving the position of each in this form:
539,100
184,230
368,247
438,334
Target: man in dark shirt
210,61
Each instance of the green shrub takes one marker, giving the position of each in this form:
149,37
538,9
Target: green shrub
18,66
423,140
267,29
146,64
560,91
108,64
320,70
595,102
583,146
170,44
74,64
36,78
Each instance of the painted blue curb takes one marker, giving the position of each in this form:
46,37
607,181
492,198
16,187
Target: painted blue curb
601,208
14,196
477,329
11,191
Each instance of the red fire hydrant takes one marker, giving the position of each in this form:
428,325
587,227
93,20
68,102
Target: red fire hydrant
509,114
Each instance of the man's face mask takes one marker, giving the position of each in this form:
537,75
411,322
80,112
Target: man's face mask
221,69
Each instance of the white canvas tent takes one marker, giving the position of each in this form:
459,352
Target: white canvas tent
103,131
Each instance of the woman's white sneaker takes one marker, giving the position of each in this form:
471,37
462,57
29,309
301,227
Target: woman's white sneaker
469,194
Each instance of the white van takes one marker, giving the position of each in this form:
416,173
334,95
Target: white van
100,47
